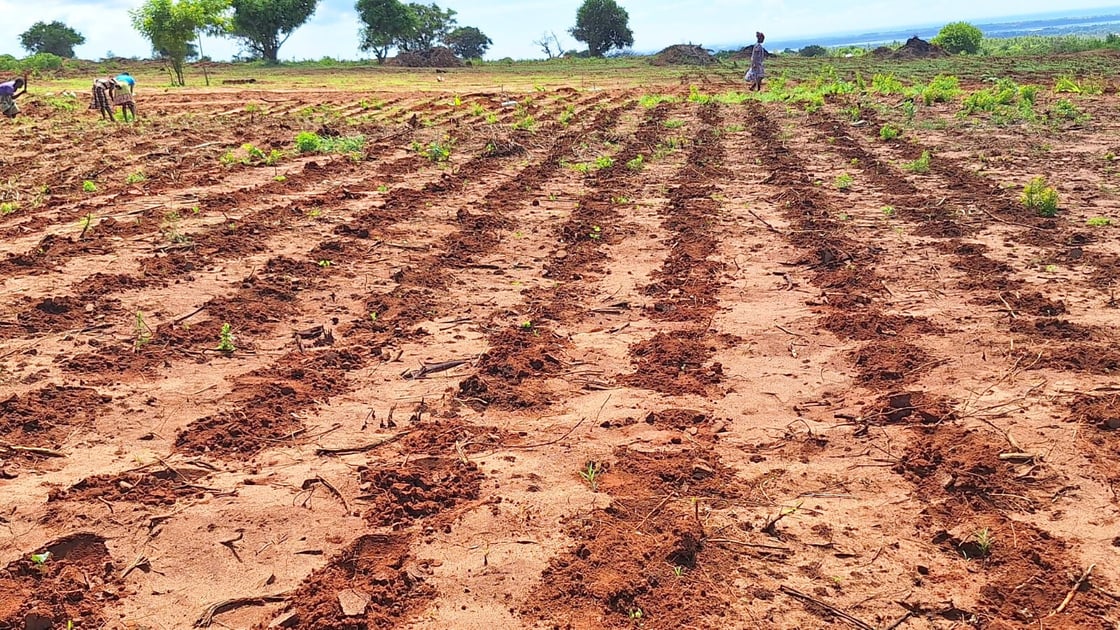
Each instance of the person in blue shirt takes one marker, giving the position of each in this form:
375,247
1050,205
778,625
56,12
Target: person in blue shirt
123,95
9,92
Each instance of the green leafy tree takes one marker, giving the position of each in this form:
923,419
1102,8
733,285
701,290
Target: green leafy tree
602,25
55,38
959,37
813,50
385,22
173,25
264,25
432,24
468,42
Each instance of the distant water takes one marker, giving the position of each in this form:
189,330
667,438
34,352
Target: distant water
1093,22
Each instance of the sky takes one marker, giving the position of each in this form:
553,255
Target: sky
514,24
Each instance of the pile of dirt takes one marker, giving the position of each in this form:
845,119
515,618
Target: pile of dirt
683,55
438,57
918,48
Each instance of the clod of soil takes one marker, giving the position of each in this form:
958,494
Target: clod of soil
675,364
422,488
69,580
1100,411
683,55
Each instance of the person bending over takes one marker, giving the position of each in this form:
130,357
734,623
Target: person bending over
9,92
123,96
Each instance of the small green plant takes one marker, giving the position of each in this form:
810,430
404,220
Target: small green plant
373,317
136,178
636,616
437,151
1067,85
983,540
889,132
678,571
1064,109
8,207
526,123
41,558
567,115
308,142
142,334
636,164
315,213
942,89
591,473
888,211
604,161
596,233
526,325
844,181
225,339
325,263
382,188
1040,198
676,123
1051,269
491,118
89,187
919,166
478,110
649,101
1099,222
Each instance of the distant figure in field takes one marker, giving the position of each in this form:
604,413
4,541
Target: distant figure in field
756,74
103,97
123,96
9,92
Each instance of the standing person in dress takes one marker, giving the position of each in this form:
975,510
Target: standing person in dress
123,95
102,97
756,74
9,92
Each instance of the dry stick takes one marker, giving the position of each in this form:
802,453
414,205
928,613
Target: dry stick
568,432
207,617
832,609
33,450
352,450
1073,591
1022,225
638,529
336,493
764,222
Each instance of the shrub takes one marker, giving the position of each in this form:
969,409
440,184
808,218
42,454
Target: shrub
889,132
1040,198
813,51
959,37
942,89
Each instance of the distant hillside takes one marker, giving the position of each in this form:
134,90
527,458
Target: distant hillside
1093,22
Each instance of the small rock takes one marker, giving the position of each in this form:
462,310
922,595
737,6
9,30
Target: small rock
35,621
693,430
353,602
701,470
719,427
1113,423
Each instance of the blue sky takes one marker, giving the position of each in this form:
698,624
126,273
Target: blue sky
514,24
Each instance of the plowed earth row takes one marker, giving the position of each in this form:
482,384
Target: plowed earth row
649,368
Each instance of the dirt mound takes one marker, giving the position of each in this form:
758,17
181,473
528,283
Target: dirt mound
918,48
683,55
438,57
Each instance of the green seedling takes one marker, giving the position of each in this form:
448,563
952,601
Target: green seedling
1040,198
676,123
41,558
596,233
527,325
844,182
314,213
888,211
280,178
382,188
478,110
142,334
89,187
136,178
8,207
567,115
86,223
225,339
637,163
591,474
1099,222
325,263
678,571
373,317
920,165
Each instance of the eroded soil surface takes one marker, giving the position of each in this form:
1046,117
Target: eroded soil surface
623,367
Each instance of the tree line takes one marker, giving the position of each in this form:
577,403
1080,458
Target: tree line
175,28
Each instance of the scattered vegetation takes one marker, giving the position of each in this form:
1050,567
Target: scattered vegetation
1040,198
919,166
844,181
889,132
311,142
